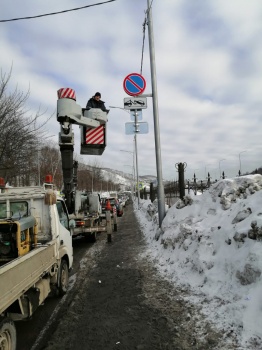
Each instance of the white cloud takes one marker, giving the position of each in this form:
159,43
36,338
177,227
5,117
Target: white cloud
208,69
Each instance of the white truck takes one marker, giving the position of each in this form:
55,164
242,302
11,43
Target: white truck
86,221
36,254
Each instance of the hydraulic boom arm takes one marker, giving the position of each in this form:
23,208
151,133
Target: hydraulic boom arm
68,113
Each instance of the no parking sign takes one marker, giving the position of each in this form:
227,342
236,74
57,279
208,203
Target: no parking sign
134,84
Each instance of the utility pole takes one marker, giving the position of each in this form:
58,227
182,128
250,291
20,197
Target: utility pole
137,176
160,186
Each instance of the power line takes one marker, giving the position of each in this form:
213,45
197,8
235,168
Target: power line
56,13
143,45
144,29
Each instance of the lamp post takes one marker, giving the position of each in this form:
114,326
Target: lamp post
136,152
240,162
119,108
133,179
133,167
220,168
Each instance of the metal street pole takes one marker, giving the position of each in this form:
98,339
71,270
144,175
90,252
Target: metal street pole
135,140
133,169
160,187
137,176
240,163
220,168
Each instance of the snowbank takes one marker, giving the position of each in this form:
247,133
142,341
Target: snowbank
212,244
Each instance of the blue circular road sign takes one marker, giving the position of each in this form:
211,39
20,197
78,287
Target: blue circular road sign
134,84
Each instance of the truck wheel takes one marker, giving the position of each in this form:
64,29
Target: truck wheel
63,278
7,334
91,238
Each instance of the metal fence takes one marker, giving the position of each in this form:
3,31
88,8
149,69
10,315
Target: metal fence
178,189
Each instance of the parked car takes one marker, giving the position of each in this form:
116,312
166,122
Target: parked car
113,202
122,200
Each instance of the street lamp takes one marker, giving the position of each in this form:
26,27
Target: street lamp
133,167
133,179
240,162
220,168
120,108
136,152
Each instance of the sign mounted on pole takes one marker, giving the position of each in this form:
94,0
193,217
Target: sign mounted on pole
136,128
134,84
135,102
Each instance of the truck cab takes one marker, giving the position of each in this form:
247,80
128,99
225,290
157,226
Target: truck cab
36,253
26,222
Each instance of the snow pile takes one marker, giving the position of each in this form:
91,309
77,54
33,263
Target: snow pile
212,244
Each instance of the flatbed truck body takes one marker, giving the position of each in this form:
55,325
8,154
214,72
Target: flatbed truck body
36,254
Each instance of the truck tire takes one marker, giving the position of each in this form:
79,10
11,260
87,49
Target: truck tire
92,238
63,278
7,334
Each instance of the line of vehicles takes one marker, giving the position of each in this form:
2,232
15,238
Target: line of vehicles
36,253
37,226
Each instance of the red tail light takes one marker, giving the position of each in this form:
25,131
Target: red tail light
80,223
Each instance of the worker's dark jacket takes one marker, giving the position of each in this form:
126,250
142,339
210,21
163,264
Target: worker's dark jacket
92,103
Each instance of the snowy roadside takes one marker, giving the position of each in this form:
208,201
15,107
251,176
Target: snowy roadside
213,247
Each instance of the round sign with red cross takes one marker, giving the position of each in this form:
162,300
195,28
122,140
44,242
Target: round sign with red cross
134,84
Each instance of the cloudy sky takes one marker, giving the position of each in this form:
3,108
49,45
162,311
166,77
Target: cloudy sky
208,58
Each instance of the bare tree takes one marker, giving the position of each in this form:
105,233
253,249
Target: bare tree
49,163
19,134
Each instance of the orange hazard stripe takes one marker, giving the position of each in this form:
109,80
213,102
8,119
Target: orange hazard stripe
66,93
95,135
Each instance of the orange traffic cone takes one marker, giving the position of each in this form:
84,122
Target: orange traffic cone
108,205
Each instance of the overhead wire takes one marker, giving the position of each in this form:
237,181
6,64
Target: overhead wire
56,13
143,45
143,41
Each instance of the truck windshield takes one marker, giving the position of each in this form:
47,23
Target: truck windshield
17,210
62,214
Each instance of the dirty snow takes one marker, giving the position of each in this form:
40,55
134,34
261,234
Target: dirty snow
211,244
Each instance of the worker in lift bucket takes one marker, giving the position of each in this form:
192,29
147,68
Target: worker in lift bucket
96,102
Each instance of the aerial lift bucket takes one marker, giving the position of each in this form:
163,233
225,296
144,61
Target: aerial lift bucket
93,140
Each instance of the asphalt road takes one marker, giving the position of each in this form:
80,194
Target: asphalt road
45,317
118,300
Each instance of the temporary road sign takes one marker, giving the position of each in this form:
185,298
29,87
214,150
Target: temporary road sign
135,102
134,84
138,128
